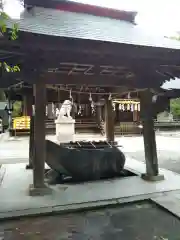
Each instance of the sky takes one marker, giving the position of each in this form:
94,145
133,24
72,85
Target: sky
158,17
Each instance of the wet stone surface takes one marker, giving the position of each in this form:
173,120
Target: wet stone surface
140,221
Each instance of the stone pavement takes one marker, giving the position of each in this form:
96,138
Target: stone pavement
3,136
13,150
16,202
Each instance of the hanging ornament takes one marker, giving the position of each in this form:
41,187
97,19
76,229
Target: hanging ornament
92,104
120,107
132,107
139,107
135,107
154,98
70,96
129,95
46,110
33,110
90,97
57,112
123,107
93,107
79,106
128,107
53,110
110,97
114,106
80,110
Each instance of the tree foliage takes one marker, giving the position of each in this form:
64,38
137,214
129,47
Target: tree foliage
10,34
3,26
17,108
175,107
176,37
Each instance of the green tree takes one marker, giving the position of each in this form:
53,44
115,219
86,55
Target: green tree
176,37
9,34
175,107
17,107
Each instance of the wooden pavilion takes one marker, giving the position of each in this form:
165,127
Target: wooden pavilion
68,44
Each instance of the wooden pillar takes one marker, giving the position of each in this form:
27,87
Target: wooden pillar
109,120
31,134
98,111
73,113
116,113
135,116
50,111
38,187
152,171
99,118
27,105
24,106
31,144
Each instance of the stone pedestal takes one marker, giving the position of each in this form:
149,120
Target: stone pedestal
65,129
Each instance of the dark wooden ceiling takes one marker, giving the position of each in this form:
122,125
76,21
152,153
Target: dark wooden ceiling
81,62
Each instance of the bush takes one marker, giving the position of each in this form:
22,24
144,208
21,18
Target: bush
175,107
17,109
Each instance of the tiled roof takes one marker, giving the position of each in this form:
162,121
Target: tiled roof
85,26
79,7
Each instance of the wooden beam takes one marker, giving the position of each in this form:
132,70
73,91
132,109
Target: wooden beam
82,55
152,170
104,58
28,41
96,80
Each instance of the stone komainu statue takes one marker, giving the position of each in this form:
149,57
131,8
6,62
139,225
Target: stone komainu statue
65,110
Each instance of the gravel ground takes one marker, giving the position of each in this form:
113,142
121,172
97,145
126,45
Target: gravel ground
168,150
167,159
